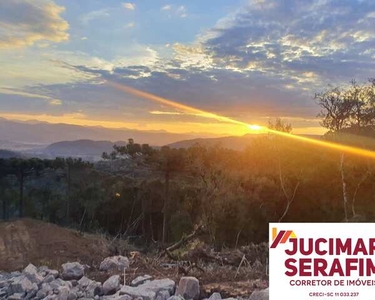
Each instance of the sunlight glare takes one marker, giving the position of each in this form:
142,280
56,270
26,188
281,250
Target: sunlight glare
255,127
334,146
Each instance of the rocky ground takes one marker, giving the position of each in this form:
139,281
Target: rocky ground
27,243
71,283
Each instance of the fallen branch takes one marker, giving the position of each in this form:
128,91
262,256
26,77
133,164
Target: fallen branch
239,266
168,251
185,272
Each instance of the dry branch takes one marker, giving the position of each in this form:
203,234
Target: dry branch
198,231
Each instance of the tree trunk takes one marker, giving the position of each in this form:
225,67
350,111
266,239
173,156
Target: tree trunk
83,217
165,208
21,208
344,189
356,192
289,199
68,200
4,206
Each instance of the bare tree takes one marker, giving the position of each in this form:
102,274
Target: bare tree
280,125
353,107
336,110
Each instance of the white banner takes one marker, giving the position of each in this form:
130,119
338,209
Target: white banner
322,261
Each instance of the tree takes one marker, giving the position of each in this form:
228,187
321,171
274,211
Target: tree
289,193
168,161
5,170
70,165
146,149
347,108
23,168
105,156
336,109
280,125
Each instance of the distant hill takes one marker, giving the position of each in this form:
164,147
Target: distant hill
229,142
79,148
8,154
33,132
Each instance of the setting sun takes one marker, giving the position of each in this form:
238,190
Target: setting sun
256,127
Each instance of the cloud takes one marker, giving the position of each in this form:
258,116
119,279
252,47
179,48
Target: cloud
170,113
129,25
179,11
166,7
94,15
18,92
330,39
128,5
25,22
263,61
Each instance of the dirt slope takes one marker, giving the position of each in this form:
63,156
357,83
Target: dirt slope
24,241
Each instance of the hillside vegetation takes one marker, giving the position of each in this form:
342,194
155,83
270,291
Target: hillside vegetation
148,195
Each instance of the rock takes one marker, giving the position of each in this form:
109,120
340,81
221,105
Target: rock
159,285
188,288
63,293
140,280
162,295
30,269
84,282
215,296
111,285
72,295
21,284
93,289
49,278
15,274
55,273
16,296
74,282
125,297
150,290
136,292
32,294
43,269
175,298
80,294
260,295
58,283
3,293
114,263
72,270
44,291
31,272
117,296
4,283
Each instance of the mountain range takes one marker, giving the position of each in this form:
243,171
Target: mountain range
17,135
47,140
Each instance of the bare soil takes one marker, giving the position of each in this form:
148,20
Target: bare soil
30,241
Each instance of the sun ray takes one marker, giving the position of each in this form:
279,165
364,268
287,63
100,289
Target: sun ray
254,127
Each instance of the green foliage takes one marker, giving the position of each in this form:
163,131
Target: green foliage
163,194
180,224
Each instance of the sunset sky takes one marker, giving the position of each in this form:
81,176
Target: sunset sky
248,60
